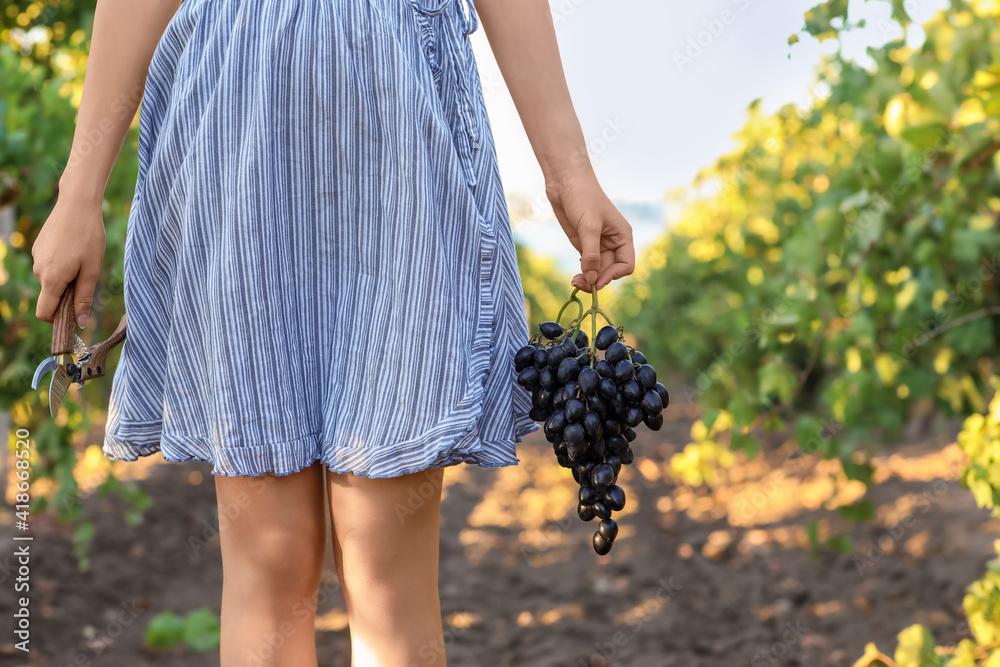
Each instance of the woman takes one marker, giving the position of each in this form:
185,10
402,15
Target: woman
320,280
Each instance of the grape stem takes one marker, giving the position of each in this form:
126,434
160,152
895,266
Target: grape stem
603,314
572,298
593,328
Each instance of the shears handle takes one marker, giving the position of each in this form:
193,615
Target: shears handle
96,365
64,323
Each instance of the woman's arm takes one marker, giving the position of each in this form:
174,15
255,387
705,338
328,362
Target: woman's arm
522,37
71,243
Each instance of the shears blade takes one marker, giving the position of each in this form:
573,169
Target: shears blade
58,388
49,364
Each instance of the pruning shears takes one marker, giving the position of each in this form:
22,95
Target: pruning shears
72,361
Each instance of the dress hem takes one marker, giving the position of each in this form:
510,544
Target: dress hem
296,455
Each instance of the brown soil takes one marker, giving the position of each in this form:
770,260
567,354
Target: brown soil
718,575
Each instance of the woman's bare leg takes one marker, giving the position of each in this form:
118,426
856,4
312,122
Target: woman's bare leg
273,537
338,560
388,531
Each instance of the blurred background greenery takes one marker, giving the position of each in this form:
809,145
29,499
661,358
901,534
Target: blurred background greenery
836,267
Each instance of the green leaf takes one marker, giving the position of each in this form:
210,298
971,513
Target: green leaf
202,630
840,543
819,19
861,472
165,630
747,442
862,510
777,378
812,532
808,434
924,136
899,12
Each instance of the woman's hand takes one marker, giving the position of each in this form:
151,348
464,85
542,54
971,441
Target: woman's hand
595,228
70,246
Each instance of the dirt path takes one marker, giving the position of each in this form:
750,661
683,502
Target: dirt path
719,576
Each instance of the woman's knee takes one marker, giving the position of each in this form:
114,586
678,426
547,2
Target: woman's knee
289,551
387,529
280,534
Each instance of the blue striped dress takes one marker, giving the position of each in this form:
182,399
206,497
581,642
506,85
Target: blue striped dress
319,264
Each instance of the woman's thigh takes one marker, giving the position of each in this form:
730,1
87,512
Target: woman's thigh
386,534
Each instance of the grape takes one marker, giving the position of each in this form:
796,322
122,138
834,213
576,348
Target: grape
568,370
633,415
540,357
543,398
577,450
555,356
606,336
581,339
614,497
646,376
599,405
616,444
555,423
598,448
616,352
547,378
631,391
575,409
614,462
588,495
525,357
582,472
607,389
574,434
602,510
629,434
604,369
591,425
608,529
664,396
623,371
527,377
570,347
559,398
588,379
651,403
586,512
618,403
601,545
551,330
654,422
602,476
638,357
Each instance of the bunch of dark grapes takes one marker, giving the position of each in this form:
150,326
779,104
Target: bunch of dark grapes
591,407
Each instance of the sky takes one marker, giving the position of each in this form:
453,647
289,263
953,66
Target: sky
659,87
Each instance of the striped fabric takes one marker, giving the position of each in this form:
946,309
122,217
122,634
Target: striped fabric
319,263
